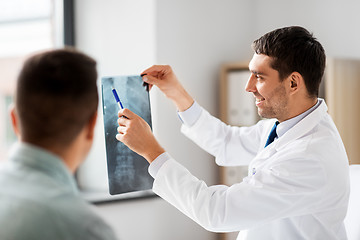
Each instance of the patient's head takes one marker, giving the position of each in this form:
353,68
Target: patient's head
56,96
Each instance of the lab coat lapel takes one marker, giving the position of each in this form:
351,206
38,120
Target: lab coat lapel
299,130
303,127
265,152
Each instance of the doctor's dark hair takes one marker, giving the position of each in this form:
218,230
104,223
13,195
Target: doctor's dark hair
294,49
56,96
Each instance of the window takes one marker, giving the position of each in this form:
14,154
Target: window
26,26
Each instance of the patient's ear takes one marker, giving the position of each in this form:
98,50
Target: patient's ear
14,120
91,126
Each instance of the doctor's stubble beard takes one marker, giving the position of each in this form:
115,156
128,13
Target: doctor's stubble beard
277,105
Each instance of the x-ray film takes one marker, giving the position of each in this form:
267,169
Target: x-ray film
127,171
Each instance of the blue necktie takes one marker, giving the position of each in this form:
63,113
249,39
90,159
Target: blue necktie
272,134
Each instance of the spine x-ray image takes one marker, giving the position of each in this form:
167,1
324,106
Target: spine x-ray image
127,171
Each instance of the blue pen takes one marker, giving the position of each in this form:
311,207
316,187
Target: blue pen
117,98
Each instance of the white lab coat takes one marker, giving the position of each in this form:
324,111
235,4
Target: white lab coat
299,190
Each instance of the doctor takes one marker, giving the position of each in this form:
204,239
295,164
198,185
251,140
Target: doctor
297,185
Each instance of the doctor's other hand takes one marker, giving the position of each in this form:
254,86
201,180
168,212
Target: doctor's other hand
165,79
135,133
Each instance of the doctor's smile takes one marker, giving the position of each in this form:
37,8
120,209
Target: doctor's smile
258,101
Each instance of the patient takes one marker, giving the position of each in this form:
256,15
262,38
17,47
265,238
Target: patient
54,117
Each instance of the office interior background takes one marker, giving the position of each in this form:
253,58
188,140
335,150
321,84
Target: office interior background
195,37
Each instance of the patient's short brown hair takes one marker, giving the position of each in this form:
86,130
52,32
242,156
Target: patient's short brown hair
56,96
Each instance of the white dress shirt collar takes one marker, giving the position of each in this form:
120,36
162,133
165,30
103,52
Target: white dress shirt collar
283,127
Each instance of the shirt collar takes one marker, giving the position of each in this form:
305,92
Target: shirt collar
283,127
44,161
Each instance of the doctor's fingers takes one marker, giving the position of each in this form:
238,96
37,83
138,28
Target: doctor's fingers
129,137
158,71
152,80
126,113
123,135
119,137
121,129
122,121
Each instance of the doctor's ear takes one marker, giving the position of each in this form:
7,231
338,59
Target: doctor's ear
295,81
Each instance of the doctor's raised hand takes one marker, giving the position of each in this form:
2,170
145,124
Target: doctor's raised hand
165,79
135,133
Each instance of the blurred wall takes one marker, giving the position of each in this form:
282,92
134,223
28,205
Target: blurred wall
335,23
195,38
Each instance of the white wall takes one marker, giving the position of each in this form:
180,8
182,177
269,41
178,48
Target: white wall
195,37
335,23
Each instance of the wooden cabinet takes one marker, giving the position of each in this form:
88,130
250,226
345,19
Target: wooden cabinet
342,87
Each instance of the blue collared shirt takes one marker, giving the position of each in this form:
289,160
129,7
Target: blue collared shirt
39,200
